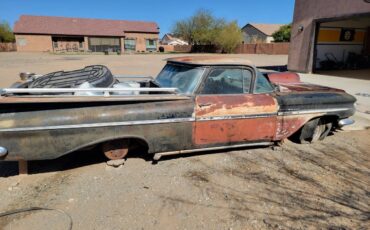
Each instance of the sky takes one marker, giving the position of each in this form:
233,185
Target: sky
164,12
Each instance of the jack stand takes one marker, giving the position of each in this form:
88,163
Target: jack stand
23,167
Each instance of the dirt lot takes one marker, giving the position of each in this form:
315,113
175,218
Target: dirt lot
321,186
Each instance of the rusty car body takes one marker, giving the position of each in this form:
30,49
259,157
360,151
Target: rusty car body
217,103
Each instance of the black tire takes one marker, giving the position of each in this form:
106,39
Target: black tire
311,132
96,75
327,129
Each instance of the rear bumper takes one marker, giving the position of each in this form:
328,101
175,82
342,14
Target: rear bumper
345,122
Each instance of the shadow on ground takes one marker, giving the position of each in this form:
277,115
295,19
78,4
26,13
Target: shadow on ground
325,185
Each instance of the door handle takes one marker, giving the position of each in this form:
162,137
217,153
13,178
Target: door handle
204,105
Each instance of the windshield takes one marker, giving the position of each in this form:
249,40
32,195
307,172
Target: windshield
185,78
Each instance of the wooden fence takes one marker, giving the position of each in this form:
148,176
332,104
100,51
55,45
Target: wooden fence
8,47
263,48
259,48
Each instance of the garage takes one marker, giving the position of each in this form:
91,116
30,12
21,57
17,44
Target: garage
343,45
331,36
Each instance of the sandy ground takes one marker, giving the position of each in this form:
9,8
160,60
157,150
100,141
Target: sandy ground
321,186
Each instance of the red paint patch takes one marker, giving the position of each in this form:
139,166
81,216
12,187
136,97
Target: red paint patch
230,131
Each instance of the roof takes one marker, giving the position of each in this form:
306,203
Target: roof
28,24
210,60
171,39
267,29
170,36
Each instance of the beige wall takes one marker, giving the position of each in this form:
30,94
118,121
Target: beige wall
33,42
140,39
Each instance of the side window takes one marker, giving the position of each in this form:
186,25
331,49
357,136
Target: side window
262,84
247,80
227,81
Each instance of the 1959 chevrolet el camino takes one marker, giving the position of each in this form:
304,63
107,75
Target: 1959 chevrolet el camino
194,104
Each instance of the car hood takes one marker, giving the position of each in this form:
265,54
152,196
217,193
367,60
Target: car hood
305,87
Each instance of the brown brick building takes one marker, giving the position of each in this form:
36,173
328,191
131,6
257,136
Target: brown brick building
44,33
325,32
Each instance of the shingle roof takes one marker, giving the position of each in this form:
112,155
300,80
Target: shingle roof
267,29
210,60
28,24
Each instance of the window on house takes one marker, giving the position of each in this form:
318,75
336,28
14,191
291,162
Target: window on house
55,44
21,41
228,81
151,45
130,44
102,44
81,45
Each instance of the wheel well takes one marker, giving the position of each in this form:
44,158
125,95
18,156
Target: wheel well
325,119
136,141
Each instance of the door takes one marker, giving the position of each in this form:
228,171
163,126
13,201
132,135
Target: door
228,113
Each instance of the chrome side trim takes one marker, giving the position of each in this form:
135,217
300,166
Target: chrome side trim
161,121
98,125
73,90
233,117
345,122
158,156
311,111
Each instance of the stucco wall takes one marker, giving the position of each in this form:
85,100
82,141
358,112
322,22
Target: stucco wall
33,42
140,39
305,12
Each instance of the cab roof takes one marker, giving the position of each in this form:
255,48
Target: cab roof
210,60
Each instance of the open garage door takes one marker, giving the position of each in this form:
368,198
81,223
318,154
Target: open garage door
342,47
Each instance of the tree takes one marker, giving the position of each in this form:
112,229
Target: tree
283,34
204,29
229,37
6,33
199,29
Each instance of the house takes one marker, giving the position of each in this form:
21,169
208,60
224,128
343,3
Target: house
45,33
169,39
330,34
259,33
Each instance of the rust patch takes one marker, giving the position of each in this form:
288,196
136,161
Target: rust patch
306,87
288,125
229,105
232,131
285,77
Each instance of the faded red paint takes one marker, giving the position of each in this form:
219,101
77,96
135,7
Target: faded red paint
306,87
285,77
233,131
227,130
287,125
